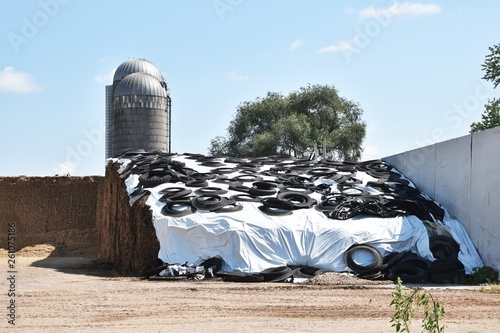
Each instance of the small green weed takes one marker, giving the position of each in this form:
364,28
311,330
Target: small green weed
484,274
405,300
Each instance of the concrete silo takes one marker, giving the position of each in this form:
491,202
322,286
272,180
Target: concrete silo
138,109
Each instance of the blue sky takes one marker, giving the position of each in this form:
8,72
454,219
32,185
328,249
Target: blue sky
414,67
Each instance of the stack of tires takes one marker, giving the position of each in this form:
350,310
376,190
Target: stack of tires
408,266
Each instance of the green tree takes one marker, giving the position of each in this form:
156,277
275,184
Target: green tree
314,116
491,116
218,146
251,132
491,65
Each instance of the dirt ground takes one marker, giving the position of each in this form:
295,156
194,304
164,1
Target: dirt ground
56,293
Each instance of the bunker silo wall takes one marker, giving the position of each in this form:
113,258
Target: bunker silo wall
463,174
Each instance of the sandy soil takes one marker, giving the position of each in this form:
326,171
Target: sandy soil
62,294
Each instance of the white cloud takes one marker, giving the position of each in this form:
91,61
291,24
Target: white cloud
17,82
105,78
341,46
235,76
64,168
296,44
398,9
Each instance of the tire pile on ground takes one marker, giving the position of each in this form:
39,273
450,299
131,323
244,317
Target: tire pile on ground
410,267
281,184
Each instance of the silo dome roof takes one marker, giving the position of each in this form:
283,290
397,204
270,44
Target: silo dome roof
131,66
140,84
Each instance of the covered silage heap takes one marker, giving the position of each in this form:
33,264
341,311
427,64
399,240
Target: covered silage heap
281,219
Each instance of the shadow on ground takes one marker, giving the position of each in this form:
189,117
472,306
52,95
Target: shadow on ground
77,265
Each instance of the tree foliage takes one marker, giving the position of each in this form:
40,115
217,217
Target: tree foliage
491,116
491,65
294,124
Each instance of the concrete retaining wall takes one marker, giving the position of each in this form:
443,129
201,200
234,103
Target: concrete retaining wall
463,175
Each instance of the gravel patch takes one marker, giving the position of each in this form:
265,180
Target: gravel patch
343,279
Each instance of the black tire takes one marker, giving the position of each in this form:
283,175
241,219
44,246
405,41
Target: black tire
236,276
281,171
222,179
377,275
235,160
203,175
416,261
261,192
265,185
298,200
153,271
277,203
443,247
210,190
304,272
174,193
248,168
215,263
197,183
224,170
321,172
297,188
276,274
212,164
171,208
409,274
444,265
296,181
360,269
175,196
347,168
146,180
393,259
193,156
372,272
239,187
206,158
245,197
210,202
251,178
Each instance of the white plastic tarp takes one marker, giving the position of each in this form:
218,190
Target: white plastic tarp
251,241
